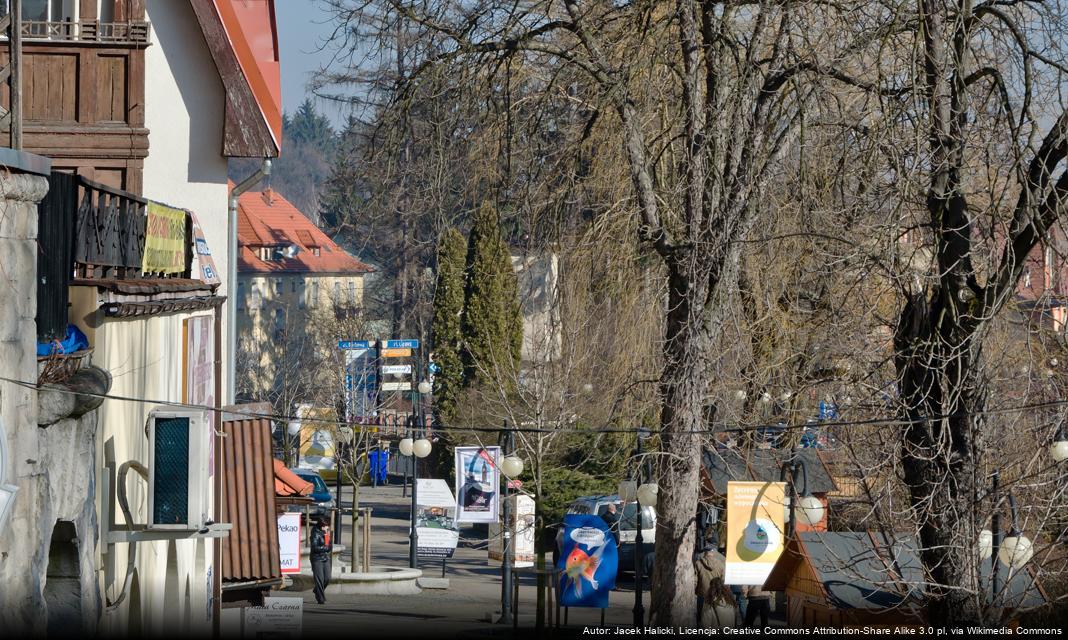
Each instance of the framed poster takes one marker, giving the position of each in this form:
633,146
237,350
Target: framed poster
523,553
435,519
755,515
477,484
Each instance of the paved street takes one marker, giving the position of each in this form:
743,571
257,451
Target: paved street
462,610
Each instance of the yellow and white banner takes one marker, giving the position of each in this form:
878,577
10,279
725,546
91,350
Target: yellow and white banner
755,528
165,241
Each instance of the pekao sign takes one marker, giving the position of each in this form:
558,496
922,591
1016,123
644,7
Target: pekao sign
289,542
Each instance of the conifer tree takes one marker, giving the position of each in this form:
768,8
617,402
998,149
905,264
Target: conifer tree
492,321
446,327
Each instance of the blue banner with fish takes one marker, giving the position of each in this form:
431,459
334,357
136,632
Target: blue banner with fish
588,562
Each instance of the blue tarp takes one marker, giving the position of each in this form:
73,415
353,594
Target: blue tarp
75,340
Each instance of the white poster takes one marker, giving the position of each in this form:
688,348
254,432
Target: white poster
278,617
435,521
522,508
478,484
289,542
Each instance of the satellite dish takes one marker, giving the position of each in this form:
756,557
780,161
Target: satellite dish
291,251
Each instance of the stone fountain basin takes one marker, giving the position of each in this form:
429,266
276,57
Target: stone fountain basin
399,581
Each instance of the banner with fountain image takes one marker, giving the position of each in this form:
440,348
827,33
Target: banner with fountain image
755,516
588,562
478,484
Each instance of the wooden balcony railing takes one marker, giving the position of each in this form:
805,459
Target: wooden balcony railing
135,33
109,238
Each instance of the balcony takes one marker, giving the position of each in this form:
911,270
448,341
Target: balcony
135,33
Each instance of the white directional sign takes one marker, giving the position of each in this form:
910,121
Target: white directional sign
396,386
396,369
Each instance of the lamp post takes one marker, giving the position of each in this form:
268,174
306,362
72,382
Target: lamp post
511,467
808,509
644,493
1059,449
1014,551
417,449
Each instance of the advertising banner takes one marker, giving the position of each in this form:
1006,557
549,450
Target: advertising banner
435,520
208,273
754,530
199,381
478,484
588,562
165,240
361,380
317,441
289,542
522,508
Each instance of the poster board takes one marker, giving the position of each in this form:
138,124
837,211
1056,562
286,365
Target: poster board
277,618
289,542
588,562
198,379
523,553
435,519
755,526
478,484
317,446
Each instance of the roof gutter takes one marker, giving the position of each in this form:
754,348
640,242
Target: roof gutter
231,274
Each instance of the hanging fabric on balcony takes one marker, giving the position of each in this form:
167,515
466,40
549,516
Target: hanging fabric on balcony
165,240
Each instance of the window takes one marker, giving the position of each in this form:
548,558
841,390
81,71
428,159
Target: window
256,299
278,287
352,292
301,294
294,289
337,292
315,251
240,296
44,10
313,294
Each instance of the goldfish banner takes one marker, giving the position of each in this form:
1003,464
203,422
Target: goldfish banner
588,562
165,241
755,513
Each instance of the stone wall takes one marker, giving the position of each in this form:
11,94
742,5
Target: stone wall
52,467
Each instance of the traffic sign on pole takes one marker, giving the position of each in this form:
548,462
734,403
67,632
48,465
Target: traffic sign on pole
400,344
354,344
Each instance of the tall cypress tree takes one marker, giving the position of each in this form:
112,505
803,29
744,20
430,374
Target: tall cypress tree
446,327
492,320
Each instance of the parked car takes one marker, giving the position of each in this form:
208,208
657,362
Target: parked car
628,526
324,499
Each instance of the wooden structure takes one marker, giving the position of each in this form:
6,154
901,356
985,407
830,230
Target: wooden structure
857,578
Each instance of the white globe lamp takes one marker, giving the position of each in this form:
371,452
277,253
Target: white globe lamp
406,447
1016,551
986,544
809,511
1059,451
421,448
425,387
647,494
512,466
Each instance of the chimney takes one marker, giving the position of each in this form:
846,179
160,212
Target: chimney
268,196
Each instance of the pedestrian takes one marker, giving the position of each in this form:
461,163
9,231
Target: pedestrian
611,518
321,546
717,609
759,603
739,596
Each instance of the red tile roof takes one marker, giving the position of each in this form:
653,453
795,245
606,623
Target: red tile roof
250,24
266,219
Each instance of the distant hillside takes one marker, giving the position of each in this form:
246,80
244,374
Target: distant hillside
300,174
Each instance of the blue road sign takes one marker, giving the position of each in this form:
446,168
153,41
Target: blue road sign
400,344
354,344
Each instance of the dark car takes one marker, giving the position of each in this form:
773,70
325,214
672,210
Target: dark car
324,500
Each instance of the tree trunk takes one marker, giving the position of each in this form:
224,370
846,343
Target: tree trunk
937,361
684,385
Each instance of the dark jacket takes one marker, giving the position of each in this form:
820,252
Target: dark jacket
321,544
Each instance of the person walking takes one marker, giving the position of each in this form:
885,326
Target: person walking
611,518
717,609
321,546
759,603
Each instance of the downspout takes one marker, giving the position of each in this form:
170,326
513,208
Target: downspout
231,275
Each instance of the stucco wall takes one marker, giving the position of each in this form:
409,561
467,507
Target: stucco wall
52,466
184,111
145,357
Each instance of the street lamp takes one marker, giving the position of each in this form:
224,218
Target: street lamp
1014,551
645,494
417,449
511,467
1059,449
425,387
808,510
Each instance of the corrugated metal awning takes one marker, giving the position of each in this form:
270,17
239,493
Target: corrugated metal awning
251,551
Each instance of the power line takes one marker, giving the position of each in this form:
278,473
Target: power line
722,427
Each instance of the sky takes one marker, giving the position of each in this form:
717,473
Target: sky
302,28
